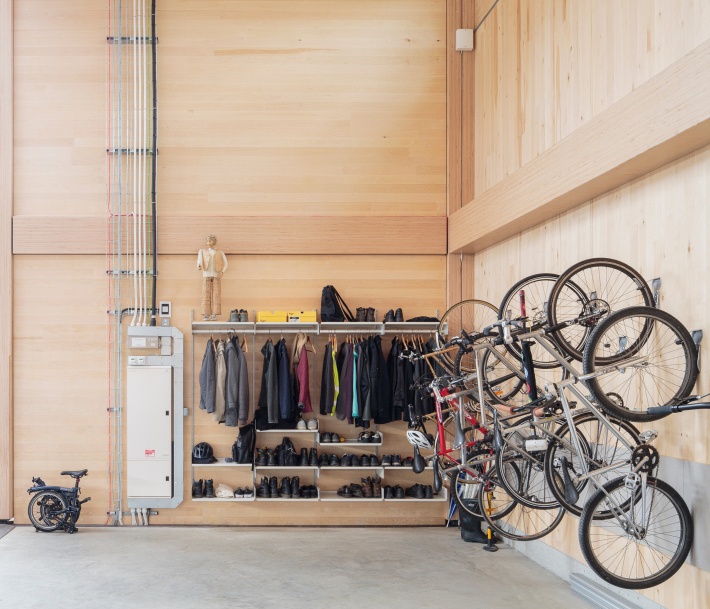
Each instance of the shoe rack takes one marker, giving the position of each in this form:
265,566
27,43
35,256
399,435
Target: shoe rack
326,478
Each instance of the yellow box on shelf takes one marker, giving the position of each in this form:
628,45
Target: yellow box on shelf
303,316
280,316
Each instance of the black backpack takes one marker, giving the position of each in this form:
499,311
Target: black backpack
243,448
333,307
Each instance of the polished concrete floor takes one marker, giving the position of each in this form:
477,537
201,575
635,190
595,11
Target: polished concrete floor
264,568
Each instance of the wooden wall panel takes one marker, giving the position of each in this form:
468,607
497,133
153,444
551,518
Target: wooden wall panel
6,277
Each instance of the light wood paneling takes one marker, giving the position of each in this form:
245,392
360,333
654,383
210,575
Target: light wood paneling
243,235
660,121
6,277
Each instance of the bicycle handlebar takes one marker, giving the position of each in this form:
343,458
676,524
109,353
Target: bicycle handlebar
668,409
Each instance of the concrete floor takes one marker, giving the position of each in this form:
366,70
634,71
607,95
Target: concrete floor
264,568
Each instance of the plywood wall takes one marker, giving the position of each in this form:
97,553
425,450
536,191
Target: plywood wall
266,109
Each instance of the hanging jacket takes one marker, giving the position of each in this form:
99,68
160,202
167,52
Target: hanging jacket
207,378
269,396
327,384
380,384
355,411
397,366
363,385
284,381
237,402
344,403
220,383
300,378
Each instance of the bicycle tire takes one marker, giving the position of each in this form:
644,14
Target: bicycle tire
519,522
601,447
464,485
537,289
532,489
51,507
665,375
607,285
609,547
469,315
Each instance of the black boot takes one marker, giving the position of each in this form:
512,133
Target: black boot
303,460
209,489
197,489
263,490
398,315
389,317
295,487
360,314
272,458
370,314
313,458
261,457
273,487
285,491
470,524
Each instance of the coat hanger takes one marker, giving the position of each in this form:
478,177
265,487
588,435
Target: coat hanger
244,345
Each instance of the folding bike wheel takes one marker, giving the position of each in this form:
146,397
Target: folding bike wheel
471,316
645,541
47,511
517,521
592,290
662,362
600,447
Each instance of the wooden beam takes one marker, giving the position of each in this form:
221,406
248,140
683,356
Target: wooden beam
6,293
325,235
662,120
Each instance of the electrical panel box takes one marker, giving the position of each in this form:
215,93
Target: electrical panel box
149,406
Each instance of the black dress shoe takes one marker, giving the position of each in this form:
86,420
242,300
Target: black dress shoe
416,492
313,458
334,461
323,460
389,317
365,461
374,461
398,315
398,492
344,491
428,491
346,460
197,489
356,490
388,493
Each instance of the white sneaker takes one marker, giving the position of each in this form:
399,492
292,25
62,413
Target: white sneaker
301,424
313,424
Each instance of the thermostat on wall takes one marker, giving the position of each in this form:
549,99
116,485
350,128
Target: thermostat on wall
164,309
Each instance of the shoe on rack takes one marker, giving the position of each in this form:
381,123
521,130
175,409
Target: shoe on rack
234,316
396,461
408,462
295,487
291,459
334,461
365,461
346,460
313,458
398,492
344,491
272,458
243,315
428,491
370,314
261,458
356,490
273,487
366,486
197,489
248,493
365,436
263,489
386,460
285,490
374,461
360,314
388,492
375,437
239,493
303,459
377,486
312,424
209,489
323,460
312,492
301,425
334,437
389,317
398,315
416,492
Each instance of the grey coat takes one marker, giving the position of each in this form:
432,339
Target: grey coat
237,399
207,379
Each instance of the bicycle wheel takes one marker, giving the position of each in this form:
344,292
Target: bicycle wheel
645,542
662,365
601,448
589,291
48,511
469,315
537,289
530,486
518,521
464,483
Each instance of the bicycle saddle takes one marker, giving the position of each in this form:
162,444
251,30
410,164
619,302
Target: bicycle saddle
77,474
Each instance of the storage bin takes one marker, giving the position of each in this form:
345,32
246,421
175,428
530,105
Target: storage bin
302,316
280,316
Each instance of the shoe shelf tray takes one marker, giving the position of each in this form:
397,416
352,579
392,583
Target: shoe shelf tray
333,496
345,468
299,499
224,499
298,468
287,432
350,443
222,463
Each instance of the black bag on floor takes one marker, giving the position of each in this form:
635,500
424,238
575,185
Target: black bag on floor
333,307
471,525
243,448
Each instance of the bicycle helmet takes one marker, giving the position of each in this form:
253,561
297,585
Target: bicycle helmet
419,439
202,453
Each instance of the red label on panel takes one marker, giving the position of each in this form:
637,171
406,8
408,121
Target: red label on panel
150,454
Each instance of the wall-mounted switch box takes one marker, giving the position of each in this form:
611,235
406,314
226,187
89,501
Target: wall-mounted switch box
165,308
464,40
